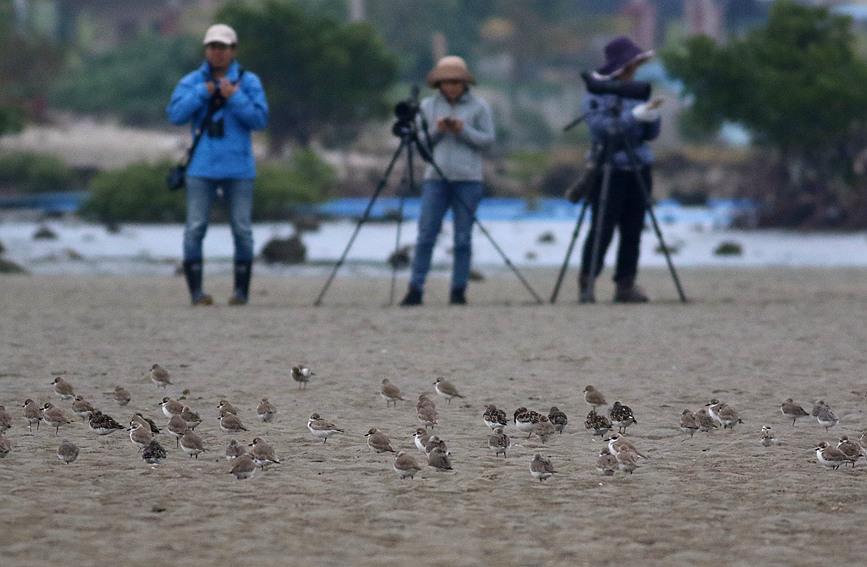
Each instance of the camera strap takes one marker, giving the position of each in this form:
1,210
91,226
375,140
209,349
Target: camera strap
206,121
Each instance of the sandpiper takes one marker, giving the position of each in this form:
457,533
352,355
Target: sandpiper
606,463
177,427
405,465
558,419
439,459
321,428
544,429
446,389
390,393
724,414
153,453
434,442
427,416
159,376
831,457
705,422
54,416
266,411
688,422
594,397
231,423
191,443
621,416
32,413
234,450
378,441
63,388
494,417
826,417
541,468
792,410
67,452
499,442
243,467
103,424
598,423
262,453
302,375
121,395
526,420
82,408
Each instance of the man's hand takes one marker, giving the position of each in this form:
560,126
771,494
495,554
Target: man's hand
227,89
210,86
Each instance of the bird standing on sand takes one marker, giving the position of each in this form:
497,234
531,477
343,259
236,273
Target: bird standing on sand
705,422
446,389
262,453
621,416
32,413
378,441
688,423
121,395
826,417
558,419
54,416
103,424
321,428
598,423
768,438
829,456
243,467
851,449
266,411
792,410
153,453
159,376
177,427
594,397
390,393
63,389
494,417
67,452
302,374
82,408
499,442
405,465
5,446
139,434
231,423
541,468
439,459
5,419
234,450
225,407
606,463
192,444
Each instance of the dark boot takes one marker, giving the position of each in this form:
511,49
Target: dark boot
458,296
193,275
243,273
585,293
412,298
628,292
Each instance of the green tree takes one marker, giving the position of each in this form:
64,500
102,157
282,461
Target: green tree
324,79
797,84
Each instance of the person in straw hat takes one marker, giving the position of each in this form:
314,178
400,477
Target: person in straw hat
463,128
638,122
223,158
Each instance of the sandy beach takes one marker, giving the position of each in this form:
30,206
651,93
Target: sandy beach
751,337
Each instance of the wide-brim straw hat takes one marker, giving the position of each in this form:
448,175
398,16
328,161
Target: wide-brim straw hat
620,53
450,68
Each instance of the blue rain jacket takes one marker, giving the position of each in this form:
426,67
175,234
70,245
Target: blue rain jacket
604,117
231,156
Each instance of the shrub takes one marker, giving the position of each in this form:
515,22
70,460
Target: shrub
35,173
306,179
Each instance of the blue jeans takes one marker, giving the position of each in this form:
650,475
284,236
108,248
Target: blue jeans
238,194
437,197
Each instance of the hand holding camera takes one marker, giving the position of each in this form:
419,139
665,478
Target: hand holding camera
450,124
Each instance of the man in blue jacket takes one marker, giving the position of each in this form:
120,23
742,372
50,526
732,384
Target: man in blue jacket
223,159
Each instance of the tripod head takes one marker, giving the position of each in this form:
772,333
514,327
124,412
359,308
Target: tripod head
405,112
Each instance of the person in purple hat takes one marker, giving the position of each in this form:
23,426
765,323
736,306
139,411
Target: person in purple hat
608,117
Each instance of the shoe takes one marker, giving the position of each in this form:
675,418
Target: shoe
237,299
585,291
243,273
193,275
628,292
412,298
458,296
203,299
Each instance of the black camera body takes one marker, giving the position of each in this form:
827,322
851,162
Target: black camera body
405,112
216,128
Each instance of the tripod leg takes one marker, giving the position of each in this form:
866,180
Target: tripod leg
569,251
379,187
598,220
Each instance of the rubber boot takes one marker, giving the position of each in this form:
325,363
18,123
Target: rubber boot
193,275
458,296
243,273
412,298
585,293
628,292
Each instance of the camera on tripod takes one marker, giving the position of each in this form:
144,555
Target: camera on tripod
405,112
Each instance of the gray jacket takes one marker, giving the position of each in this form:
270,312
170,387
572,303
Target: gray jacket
459,155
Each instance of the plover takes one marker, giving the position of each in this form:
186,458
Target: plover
225,407
171,407
405,465
627,460
262,453
177,427
139,434
5,419
427,416
826,417
499,442
153,453
558,419
446,389
439,459
494,417
321,428
63,388
67,452
705,421
792,410
147,422
594,397
32,413
103,424
768,438
618,442
724,414
390,393
82,408
234,450
831,457
598,423
817,405
425,401
544,429
191,443
302,375
606,463
5,446
434,442
54,416
243,467
266,411
541,468
121,395
378,441
621,416
420,438
160,376
688,422
852,450
231,423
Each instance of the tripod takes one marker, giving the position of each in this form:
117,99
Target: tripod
406,129
606,157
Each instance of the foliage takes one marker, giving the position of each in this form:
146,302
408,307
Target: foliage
35,173
137,193
133,81
322,78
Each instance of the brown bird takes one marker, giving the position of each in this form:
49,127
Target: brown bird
5,420
266,411
594,397
405,465
67,452
378,441
688,422
177,427
63,388
541,468
499,442
606,463
231,424
558,419
225,407
54,416
121,395
192,418
439,459
234,450
390,392
82,408
191,444
243,467
302,375
262,453
159,376
792,410
446,389
32,413
427,416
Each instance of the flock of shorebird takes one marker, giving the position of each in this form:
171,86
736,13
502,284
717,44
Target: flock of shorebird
619,453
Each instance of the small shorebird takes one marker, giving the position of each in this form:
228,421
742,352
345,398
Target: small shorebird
526,420
82,408
499,442
225,407
594,397
558,419
434,442
177,427
139,434
618,442
5,419
792,410
544,429
768,438
405,465
321,428
598,423
723,414
705,422
606,463
424,401
427,416
121,395
5,446
439,459
494,417
829,456
63,388
688,423
627,460
266,411
378,441
54,416
234,450
390,393
262,453
621,416
243,467
420,438
153,453
171,407
147,422
302,374
541,468
826,417
191,444
231,424
67,452
851,449
103,424
32,413
160,376
446,389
